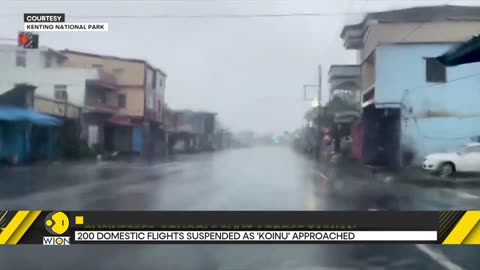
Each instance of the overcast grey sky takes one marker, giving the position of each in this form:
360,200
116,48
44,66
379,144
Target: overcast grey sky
249,70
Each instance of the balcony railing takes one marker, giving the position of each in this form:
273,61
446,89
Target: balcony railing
100,109
353,38
100,101
345,77
345,71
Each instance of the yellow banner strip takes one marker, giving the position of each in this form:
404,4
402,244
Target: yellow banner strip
12,226
22,229
463,228
473,238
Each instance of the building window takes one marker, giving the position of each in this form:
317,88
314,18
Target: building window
436,72
60,91
160,82
122,101
102,97
21,59
154,80
97,66
159,106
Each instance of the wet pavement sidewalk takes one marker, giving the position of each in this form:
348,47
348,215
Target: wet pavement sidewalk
263,178
411,175
20,181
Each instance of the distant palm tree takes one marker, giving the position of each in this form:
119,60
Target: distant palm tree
342,101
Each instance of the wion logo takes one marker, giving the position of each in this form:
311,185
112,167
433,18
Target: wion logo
56,223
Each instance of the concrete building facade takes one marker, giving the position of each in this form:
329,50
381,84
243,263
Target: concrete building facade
141,91
408,98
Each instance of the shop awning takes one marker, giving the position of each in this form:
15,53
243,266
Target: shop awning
20,114
122,122
465,53
100,110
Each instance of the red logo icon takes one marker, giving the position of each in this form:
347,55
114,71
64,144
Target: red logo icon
22,39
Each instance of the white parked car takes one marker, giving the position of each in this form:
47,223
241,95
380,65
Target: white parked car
466,160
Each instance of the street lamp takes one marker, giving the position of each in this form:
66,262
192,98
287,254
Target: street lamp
315,103
305,89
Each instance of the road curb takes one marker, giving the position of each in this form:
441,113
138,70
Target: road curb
408,175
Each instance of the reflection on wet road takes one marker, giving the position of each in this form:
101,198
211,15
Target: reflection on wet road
265,178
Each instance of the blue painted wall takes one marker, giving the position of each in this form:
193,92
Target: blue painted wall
14,140
435,117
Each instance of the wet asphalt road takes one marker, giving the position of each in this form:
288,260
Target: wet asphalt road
263,178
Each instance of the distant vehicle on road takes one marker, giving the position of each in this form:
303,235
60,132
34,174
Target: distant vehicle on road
465,160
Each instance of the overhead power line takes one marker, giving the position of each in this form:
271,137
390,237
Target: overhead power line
422,87
225,15
170,16
420,25
451,81
209,16
225,1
